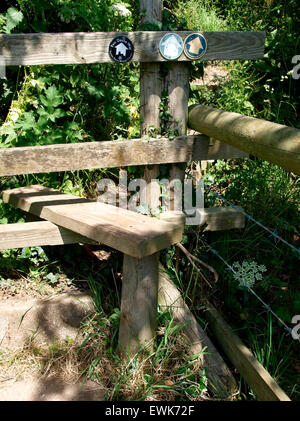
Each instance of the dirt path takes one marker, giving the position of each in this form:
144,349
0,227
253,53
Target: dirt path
50,389
33,333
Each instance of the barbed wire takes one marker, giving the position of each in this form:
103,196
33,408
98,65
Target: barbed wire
251,218
265,305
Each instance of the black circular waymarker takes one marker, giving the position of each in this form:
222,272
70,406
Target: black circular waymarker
121,49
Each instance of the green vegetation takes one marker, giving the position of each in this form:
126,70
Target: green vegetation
62,104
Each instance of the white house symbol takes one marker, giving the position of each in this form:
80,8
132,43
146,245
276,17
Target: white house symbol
121,49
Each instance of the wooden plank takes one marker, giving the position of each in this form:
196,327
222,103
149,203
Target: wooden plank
108,154
138,303
130,232
272,142
83,47
259,380
44,233
220,380
33,234
221,218
214,219
150,98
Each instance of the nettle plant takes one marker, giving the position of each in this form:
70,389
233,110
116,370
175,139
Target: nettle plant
247,273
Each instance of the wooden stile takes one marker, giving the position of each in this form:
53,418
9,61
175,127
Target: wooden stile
72,219
85,47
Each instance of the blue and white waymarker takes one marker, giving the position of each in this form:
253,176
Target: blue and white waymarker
195,46
171,46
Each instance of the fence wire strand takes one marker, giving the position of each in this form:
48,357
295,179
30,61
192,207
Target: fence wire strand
265,305
251,218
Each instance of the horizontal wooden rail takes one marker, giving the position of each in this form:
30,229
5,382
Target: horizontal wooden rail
92,47
256,376
272,142
110,154
213,219
33,234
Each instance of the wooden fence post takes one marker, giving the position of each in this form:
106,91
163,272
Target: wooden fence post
177,86
150,97
138,303
140,276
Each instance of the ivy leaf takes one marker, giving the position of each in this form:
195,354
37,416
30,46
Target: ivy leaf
13,18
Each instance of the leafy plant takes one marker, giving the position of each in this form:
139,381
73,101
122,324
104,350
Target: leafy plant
248,273
10,20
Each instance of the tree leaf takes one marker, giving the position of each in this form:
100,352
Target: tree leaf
26,122
13,18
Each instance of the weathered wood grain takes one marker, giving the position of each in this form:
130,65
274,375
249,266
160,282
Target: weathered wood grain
130,232
272,142
150,98
138,303
221,382
221,218
92,47
214,219
108,154
36,232
33,234
260,381
176,84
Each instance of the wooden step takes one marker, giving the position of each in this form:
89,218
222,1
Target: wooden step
130,232
33,234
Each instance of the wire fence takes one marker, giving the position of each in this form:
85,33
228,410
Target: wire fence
274,234
264,304
251,218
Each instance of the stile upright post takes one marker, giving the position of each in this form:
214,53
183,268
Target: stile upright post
177,86
150,97
140,276
139,303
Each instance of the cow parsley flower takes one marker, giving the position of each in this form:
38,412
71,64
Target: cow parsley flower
248,273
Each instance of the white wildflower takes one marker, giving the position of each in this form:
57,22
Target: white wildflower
120,8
